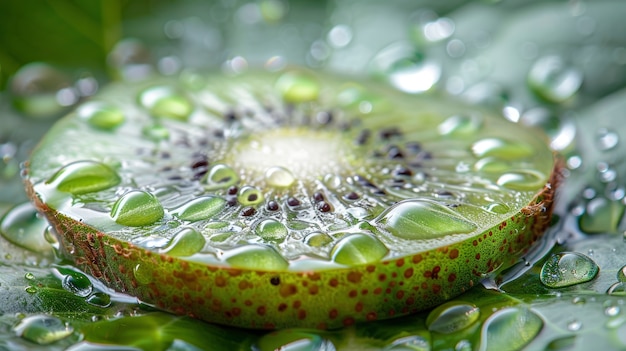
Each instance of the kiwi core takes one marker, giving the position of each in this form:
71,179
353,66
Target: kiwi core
300,152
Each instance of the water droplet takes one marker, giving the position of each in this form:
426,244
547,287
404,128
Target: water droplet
23,226
279,177
574,325
438,29
452,317
298,87
318,239
29,276
579,300
414,74
101,115
339,36
612,311
143,273
77,283
200,208
567,268
166,102
83,177
358,248
602,216
220,176
42,330
30,289
131,58
422,219
522,180
271,230
606,139
294,340
156,132
257,257
553,79
185,242
409,343
137,208
99,299
249,196
35,87
502,149
510,329
460,125
621,274
463,345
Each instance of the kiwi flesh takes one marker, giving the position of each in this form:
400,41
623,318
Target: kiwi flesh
272,200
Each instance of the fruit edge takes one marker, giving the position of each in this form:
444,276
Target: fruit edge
324,299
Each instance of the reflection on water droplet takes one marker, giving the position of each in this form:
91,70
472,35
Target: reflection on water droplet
414,74
501,149
510,329
279,177
30,289
137,208
200,208
166,102
522,180
29,276
412,343
612,311
77,283
143,273
318,239
99,299
294,340
256,257
101,115
358,248
42,330
568,268
23,226
271,230
185,242
463,345
553,79
452,317
84,177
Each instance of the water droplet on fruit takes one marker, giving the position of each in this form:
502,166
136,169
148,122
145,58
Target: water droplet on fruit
501,149
279,177
29,276
143,273
510,329
606,139
101,115
567,268
460,125
249,196
83,177
257,257
554,80
220,176
200,208
30,289
156,132
409,343
185,242
358,248
99,299
23,226
422,219
452,317
522,180
294,340
42,329
621,274
298,87
271,230
165,102
318,239
137,208
77,283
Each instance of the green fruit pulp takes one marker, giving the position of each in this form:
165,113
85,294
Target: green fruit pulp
292,199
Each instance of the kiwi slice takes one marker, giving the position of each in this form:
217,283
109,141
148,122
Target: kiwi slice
270,200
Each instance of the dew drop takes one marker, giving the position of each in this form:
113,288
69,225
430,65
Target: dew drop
502,149
298,87
101,115
200,208
143,273
23,226
574,325
77,283
510,329
612,311
522,180
617,289
318,239
42,329
460,125
185,242
606,139
99,299
30,289
29,276
84,177
567,268
279,177
491,165
422,219
137,208
452,317
220,176
553,79
294,340
166,102
271,230
156,132
409,343
257,257
358,248
249,196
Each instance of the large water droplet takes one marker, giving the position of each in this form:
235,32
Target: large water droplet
143,273
23,226
83,177
567,268
522,180
99,299
137,208
164,101
249,196
220,176
318,239
358,248
271,230
553,79
185,243
452,317
42,330
76,283
203,207
502,149
298,87
602,216
423,219
257,257
101,115
294,340
279,177
510,329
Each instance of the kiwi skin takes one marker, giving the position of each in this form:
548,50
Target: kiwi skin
325,299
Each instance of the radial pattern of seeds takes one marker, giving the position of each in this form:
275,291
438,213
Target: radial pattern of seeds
291,173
